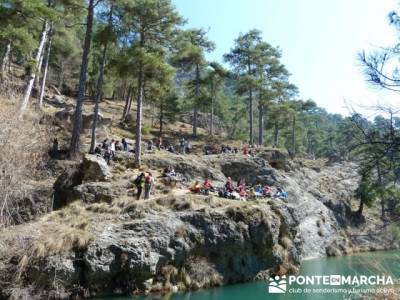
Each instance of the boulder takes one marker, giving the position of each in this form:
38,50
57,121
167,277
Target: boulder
92,192
63,187
252,169
277,159
58,101
95,168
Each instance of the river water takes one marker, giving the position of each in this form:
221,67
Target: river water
366,264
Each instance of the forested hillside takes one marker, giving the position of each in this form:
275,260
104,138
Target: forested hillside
99,50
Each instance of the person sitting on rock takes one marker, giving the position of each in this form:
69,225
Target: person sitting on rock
195,187
223,149
97,150
150,145
281,194
259,190
124,144
139,183
171,149
229,185
169,172
118,146
252,194
266,191
105,144
222,193
245,151
241,182
207,187
242,191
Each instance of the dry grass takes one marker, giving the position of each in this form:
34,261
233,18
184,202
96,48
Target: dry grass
60,232
23,144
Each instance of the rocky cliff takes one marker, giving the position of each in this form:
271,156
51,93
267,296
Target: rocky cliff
102,241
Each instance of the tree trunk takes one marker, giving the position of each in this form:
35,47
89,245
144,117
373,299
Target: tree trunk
276,134
77,129
32,75
261,124
380,182
212,117
197,94
251,141
5,59
161,118
128,100
99,88
140,96
99,94
10,59
46,68
61,77
293,135
138,146
38,72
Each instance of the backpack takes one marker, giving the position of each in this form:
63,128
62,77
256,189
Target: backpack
137,181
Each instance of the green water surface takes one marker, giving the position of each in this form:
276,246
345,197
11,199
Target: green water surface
373,263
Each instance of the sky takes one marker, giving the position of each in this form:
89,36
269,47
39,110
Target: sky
319,40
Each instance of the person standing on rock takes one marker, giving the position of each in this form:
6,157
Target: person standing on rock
124,144
112,148
182,143
148,185
139,183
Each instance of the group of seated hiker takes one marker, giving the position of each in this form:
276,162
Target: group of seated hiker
240,191
107,148
221,149
204,188
184,146
146,182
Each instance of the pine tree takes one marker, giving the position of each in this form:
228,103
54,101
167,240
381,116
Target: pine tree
77,123
243,58
154,22
192,44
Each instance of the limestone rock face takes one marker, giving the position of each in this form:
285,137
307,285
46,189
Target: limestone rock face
63,187
95,168
253,170
94,192
233,245
202,241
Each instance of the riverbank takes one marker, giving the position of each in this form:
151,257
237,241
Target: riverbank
382,263
101,241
